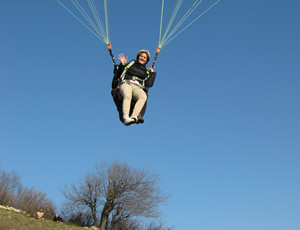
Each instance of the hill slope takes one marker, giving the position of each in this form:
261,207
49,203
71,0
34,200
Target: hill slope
16,221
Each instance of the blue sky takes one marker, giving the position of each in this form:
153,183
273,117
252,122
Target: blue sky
222,127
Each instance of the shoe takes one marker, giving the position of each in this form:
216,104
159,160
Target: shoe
128,121
140,119
134,118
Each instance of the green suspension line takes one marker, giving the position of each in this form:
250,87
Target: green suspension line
168,35
94,23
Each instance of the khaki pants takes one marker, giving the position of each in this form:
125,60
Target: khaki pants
130,92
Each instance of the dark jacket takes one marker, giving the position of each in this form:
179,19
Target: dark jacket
137,70
57,219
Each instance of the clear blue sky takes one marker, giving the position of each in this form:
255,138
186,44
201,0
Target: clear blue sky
222,127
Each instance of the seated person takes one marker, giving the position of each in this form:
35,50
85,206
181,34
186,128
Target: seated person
130,84
57,218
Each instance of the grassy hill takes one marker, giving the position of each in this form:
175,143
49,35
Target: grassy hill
10,220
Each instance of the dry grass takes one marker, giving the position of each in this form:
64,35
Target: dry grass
15,221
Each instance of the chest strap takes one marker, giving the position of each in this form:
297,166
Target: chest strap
141,81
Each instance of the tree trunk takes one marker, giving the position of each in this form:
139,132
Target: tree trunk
94,214
103,220
105,214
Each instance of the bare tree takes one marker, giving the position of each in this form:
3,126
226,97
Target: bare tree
137,224
14,194
76,215
126,224
10,186
116,193
85,195
31,200
128,193
155,226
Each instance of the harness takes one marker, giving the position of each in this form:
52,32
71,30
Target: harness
141,81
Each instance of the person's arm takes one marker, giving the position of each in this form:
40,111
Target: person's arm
122,59
122,65
152,74
119,70
151,78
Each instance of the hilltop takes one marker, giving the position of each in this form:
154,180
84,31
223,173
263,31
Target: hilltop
12,220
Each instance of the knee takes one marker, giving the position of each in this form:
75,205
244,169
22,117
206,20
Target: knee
145,97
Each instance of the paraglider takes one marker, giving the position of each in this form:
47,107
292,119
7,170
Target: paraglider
132,80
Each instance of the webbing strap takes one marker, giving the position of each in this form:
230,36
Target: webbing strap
125,70
134,77
142,80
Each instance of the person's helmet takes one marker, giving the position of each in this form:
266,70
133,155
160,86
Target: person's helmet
143,51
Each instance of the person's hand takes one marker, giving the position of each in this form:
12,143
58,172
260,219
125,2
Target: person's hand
151,69
122,58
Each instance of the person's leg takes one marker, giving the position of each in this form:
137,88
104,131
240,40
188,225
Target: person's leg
140,97
126,92
142,113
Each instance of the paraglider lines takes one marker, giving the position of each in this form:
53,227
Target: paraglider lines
170,35
171,38
175,11
95,26
96,29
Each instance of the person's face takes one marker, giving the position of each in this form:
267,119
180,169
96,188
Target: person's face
143,58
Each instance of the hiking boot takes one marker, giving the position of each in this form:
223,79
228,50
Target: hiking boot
134,118
128,121
140,119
